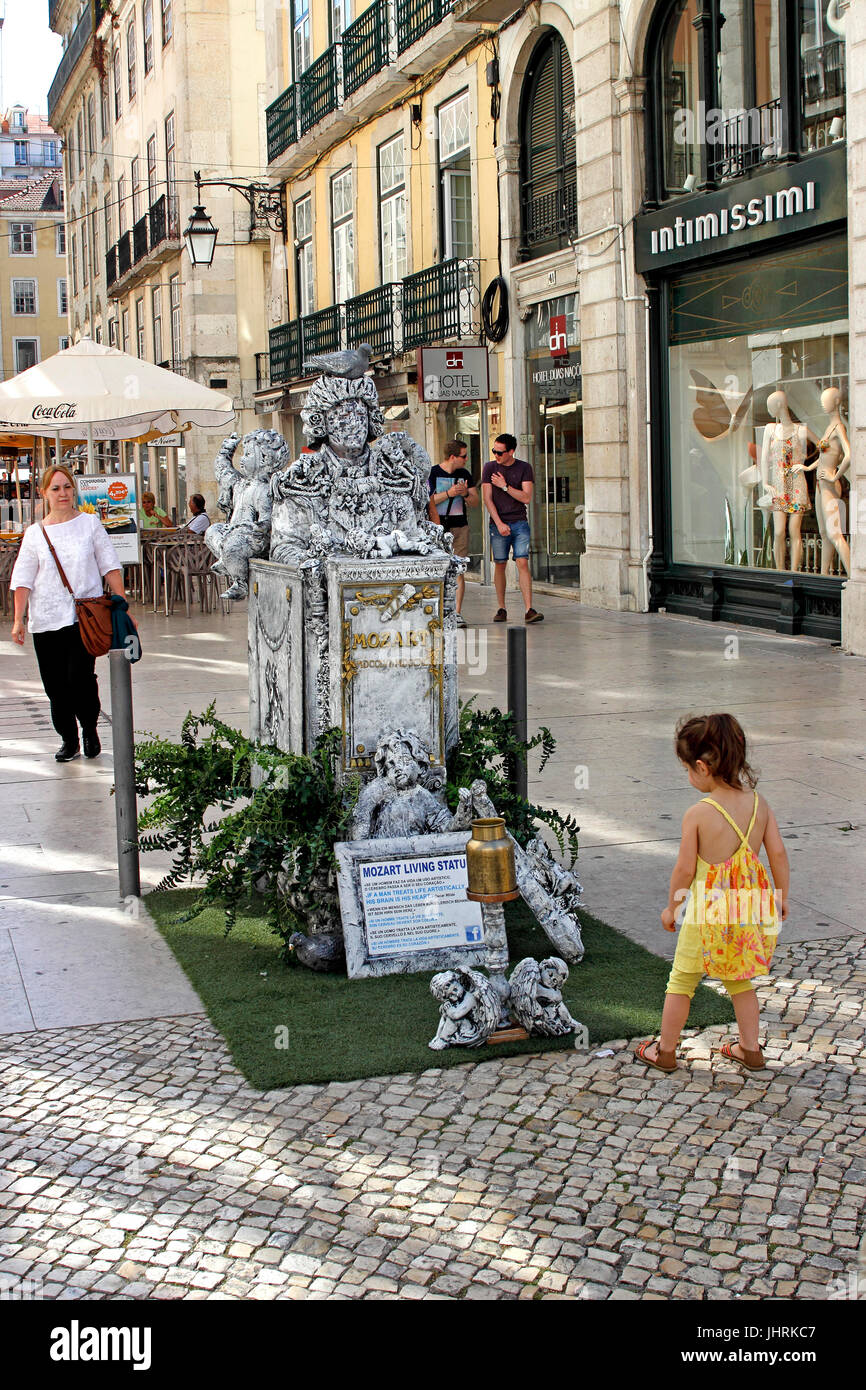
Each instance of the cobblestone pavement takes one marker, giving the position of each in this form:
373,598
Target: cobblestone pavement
140,1164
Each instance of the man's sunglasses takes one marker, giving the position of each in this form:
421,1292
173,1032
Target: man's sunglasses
499,452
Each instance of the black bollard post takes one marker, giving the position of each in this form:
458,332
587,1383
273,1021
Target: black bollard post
517,702
123,739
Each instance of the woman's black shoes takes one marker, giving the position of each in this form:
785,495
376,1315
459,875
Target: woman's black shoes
67,751
92,746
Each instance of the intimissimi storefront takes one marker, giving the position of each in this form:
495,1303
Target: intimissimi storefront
743,248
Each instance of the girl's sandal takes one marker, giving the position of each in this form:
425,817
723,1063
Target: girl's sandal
750,1060
663,1061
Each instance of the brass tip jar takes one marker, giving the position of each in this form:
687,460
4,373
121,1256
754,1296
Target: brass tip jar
490,863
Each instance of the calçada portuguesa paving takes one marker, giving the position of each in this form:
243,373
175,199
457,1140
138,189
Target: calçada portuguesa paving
139,1164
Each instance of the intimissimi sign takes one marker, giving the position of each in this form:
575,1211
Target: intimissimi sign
743,213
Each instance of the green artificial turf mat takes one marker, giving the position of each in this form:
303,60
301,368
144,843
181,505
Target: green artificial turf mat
285,1025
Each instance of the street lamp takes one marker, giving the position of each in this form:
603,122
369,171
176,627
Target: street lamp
266,205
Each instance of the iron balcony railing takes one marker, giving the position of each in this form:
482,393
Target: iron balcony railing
415,17
74,49
139,240
548,216
748,139
365,47
158,221
375,318
436,305
124,254
282,124
440,302
317,90
111,266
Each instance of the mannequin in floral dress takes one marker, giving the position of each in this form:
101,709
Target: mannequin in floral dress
783,448
830,466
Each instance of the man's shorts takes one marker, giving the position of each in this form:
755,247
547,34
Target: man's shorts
460,537
518,541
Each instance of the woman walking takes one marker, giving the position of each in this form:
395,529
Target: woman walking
87,556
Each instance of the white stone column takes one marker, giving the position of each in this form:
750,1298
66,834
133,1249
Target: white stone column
854,592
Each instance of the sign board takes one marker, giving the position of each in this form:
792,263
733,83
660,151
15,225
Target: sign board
404,905
557,379
112,496
167,441
453,374
558,336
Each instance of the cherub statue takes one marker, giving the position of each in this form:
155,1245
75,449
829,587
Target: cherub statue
536,997
468,1009
401,800
245,498
366,494
561,884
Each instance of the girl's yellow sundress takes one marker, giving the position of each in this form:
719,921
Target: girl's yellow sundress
731,925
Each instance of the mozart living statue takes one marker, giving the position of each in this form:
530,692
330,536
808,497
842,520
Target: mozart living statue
361,492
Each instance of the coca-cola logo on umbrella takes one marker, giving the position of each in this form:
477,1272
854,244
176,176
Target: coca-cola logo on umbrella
64,411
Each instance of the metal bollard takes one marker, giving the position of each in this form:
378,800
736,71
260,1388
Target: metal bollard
516,693
125,808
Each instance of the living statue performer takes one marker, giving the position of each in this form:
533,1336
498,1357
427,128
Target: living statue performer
244,497
360,492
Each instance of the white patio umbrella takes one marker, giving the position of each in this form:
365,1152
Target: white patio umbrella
89,391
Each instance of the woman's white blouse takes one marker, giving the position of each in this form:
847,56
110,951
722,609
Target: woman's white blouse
86,554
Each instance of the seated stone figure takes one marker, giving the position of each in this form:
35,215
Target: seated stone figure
359,493
399,801
245,498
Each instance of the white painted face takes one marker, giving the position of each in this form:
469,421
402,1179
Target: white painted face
348,425
402,767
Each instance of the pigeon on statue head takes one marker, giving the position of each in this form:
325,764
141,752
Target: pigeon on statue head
352,364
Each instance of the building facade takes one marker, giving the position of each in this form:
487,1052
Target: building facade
33,284
148,91
29,147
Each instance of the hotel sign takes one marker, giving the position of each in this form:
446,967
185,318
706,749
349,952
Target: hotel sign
787,198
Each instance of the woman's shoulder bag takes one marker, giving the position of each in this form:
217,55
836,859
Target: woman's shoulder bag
93,614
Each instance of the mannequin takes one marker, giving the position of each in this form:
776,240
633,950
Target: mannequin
831,465
784,446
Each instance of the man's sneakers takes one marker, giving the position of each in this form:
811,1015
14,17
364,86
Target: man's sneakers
533,617
500,616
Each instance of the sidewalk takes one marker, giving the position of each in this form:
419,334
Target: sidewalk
609,686
140,1165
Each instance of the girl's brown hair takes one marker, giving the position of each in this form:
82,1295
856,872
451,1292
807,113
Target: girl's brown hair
717,740
45,481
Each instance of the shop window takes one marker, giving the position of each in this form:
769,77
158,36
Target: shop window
758,413
454,123
548,202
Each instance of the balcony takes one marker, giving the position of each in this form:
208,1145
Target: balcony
389,43
154,238
437,305
548,216
73,51
747,140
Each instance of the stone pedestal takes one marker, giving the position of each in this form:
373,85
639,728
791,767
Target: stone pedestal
366,645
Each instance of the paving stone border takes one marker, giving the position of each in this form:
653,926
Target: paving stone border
139,1164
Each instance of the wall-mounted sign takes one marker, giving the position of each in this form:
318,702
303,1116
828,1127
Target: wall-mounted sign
167,441
558,336
780,200
453,374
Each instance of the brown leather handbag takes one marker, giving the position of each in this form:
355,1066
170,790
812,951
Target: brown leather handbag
93,614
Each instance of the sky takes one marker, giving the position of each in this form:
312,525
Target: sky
31,54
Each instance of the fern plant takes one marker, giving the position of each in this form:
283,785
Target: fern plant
488,747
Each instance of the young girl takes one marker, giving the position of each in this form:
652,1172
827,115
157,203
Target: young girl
721,839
